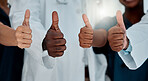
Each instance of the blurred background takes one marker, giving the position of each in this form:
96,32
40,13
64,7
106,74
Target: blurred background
98,9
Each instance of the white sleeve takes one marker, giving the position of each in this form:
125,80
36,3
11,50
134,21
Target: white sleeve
138,36
17,12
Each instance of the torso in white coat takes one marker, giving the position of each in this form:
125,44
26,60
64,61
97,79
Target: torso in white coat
69,67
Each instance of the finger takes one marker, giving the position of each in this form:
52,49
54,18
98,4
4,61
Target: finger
24,35
57,54
55,21
86,21
59,48
27,36
117,49
60,42
86,36
117,43
120,20
20,45
25,29
56,35
26,18
117,36
86,30
85,45
86,41
57,42
54,49
24,41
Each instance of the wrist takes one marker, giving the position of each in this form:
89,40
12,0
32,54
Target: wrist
126,44
15,42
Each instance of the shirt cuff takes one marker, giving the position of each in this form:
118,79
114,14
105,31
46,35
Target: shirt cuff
48,61
128,50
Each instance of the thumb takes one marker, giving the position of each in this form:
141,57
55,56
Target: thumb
26,18
55,21
120,20
86,21
121,25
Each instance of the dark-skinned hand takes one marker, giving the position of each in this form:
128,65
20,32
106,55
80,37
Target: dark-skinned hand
54,41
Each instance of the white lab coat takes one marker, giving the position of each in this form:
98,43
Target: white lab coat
138,36
97,66
38,66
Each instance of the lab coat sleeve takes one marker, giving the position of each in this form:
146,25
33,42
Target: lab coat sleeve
17,11
138,36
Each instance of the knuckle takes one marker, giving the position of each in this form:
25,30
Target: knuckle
64,48
64,40
82,35
81,44
19,28
81,30
62,35
30,36
28,46
30,41
29,30
61,53
114,49
91,41
120,47
79,35
20,45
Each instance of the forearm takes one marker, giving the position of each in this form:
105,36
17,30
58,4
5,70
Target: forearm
7,36
99,38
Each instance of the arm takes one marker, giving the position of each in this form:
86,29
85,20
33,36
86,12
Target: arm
20,37
99,38
7,36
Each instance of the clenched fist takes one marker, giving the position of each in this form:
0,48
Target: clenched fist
117,35
86,34
23,33
54,41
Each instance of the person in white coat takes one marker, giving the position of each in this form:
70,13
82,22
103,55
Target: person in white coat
38,64
137,34
138,55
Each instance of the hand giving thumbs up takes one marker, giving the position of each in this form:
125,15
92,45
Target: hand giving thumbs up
117,35
54,41
86,34
23,33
